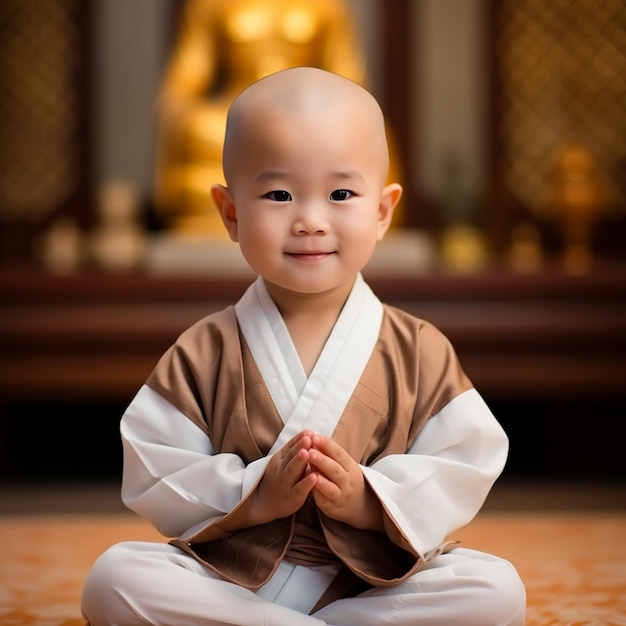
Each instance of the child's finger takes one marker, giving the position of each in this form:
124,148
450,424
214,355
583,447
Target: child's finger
333,450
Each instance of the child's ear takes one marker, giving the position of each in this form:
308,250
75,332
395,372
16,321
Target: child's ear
389,199
224,203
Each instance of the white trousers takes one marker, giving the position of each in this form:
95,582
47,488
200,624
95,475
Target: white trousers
139,583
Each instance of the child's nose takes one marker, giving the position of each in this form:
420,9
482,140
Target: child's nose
311,219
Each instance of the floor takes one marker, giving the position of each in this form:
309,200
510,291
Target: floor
567,541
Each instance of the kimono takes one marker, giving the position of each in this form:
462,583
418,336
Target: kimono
231,391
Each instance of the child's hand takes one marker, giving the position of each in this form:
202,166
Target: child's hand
287,480
340,490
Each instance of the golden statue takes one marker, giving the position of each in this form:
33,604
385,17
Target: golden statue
222,46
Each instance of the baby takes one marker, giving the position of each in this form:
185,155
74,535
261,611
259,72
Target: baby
308,450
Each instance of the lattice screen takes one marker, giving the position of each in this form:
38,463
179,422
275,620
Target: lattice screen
562,69
39,107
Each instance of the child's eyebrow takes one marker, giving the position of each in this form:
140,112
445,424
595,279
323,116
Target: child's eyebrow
269,175
348,174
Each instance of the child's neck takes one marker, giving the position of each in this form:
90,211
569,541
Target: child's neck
310,319
309,333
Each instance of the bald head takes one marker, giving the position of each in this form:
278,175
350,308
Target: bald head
304,91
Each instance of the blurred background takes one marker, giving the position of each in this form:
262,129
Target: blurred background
506,122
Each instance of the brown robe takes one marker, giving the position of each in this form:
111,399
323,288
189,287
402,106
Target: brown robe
209,375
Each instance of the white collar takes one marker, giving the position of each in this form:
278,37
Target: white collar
318,401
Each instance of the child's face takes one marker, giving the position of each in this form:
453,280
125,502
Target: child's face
308,197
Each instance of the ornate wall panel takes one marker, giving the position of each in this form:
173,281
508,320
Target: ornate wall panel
561,74
42,111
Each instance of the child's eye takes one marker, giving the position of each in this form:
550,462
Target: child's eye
340,194
278,196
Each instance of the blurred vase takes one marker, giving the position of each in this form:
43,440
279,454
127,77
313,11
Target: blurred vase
578,201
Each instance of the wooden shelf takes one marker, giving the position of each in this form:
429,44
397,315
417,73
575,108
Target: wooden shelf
90,336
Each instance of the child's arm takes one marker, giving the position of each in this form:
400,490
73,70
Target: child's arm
171,474
173,478
419,496
442,481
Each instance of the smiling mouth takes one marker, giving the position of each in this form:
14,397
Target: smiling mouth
309,256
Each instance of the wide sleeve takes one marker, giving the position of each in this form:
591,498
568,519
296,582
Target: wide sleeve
442,481
178,472
171,475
